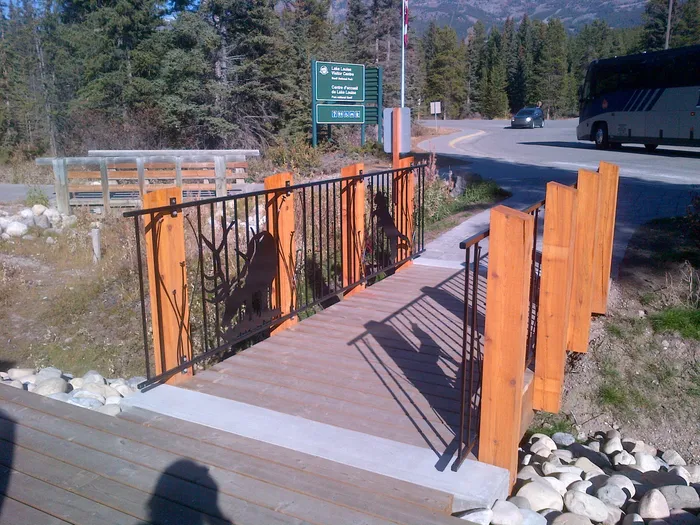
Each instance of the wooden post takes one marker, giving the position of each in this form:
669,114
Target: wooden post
609,181
352,213
584,252
280,224
141,171
61,184
104,178
167,284
505,336
395,137
220,172
403,196
555,296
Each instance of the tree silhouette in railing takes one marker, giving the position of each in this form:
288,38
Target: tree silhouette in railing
386,222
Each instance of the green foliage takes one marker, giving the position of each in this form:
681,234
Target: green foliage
440,204
685,321
36,195
297,156
445,69
550,424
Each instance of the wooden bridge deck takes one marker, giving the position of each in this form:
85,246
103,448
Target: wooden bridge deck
383,362
61,464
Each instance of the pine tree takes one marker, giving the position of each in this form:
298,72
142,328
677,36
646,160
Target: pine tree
551,69
445,78
475,49
494,99
510,52
357,32
655,19
688,27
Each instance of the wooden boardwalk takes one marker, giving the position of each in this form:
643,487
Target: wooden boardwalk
383,362
63,464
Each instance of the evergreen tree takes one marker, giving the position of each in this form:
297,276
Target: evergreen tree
357,32
445,71
494,99
688,27
475,54
551,70
510,51
655,20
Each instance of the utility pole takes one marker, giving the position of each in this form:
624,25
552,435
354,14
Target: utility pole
668,23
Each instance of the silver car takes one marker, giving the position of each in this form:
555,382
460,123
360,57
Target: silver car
528,118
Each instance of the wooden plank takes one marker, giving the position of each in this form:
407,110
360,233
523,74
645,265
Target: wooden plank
588,188
73,175
352,211
167,284
609,183
555,295
60,503
258,482
528,412
12,512
365,480
507,301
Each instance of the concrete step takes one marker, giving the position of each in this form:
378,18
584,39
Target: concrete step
475,485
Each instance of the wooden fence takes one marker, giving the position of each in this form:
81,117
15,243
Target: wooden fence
574,279
116,178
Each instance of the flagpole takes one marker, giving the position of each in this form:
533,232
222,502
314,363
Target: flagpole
403,53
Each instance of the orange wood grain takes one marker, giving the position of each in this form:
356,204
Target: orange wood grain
609,182
352,209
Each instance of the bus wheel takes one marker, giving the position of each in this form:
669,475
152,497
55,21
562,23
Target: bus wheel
601,136
651,147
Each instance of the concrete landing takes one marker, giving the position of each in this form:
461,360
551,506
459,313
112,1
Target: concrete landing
475,485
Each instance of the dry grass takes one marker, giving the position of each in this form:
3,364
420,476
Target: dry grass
26,173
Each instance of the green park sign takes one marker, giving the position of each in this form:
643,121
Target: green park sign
337,82
340,114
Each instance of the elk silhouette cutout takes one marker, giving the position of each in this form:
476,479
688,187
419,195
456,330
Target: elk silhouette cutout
386,223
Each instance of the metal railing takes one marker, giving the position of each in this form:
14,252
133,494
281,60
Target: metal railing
232,259
471,370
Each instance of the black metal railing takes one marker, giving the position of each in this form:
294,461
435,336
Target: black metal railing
232,257
471,368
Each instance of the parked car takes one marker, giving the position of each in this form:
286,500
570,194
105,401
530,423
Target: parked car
528,118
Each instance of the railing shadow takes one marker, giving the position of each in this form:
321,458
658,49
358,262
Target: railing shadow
7,445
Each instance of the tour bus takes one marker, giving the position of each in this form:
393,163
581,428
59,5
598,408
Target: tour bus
649,98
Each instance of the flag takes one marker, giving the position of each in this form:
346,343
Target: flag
405,23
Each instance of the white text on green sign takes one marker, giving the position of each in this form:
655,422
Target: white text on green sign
340,82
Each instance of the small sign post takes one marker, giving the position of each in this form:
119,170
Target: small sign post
435,109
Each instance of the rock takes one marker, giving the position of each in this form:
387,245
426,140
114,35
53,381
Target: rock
633,519
529,472
115,382
624,483
480,516
30,387
42,221
611,494
567,478
541,496
124,390
28,238
681,472
613,434
682,517
526,460
673,458
557,485
545,440
52,385
582,486
93,377
681,497
69,221
101,389
694,471
569,518
50,240
563,439
113,400
38,209
549,514
612,445
506,513
17,373
653,505
4,376
589,459
30,379
48,373
520,502
530,517
110,410
585,505
538,448
660,479
16,229
646,462
60,396
657,522
14,384
563,455
77,382
85,402
615,516
86,394
623,458
550,468
134,382
594,446
595,476
5,237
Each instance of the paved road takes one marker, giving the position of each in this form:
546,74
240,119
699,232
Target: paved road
523,161
18,192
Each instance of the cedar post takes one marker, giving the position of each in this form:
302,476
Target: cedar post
555,296
609,180
167,284
505,336
588,197
352,214
403,196
280,224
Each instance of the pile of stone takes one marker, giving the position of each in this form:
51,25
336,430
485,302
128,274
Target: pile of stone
608,479
47,220
91,391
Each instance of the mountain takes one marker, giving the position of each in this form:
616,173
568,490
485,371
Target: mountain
462,14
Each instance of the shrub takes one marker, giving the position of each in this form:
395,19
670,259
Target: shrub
36,195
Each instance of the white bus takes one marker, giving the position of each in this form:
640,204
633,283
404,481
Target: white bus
649,98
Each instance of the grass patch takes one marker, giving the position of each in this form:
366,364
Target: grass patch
612,395
36,195
550,424
682,320
614,330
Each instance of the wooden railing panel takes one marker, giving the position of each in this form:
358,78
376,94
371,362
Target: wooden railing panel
352,212
609,182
